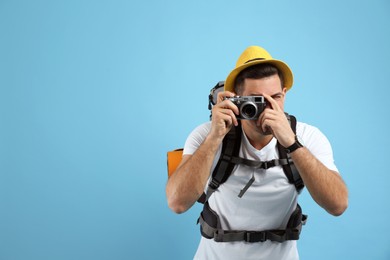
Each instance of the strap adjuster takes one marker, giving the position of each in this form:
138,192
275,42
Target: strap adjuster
265,165
226,158
253,236
213,184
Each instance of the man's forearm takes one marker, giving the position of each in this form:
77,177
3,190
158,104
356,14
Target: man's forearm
187,183
325,186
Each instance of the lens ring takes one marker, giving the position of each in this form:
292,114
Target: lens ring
248,110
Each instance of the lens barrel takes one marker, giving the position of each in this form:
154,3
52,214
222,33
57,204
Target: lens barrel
248,110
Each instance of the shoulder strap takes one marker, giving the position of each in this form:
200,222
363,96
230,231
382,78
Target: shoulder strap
225,165
209,220
229,158
230,148
289,169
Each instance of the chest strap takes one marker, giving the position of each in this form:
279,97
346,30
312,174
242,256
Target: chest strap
256,164
210,228
214,183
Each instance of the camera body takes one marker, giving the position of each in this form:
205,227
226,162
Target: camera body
250,107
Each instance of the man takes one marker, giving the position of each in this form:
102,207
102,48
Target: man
269,199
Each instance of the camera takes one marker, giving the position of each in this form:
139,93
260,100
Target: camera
250,107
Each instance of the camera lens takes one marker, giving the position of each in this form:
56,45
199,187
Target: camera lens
248,110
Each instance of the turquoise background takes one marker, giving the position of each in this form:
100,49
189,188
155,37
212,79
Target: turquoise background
94,93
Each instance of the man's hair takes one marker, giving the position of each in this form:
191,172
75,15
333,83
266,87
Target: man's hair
258,71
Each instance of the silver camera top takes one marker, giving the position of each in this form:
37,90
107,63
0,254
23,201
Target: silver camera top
241,99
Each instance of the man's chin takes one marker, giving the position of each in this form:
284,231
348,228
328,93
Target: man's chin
267,131
258,129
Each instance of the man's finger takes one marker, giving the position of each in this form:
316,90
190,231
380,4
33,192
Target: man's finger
274,104
224,94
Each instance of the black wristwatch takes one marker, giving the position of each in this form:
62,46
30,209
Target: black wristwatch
294,146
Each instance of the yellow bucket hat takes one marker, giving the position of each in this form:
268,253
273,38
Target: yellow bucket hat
254,55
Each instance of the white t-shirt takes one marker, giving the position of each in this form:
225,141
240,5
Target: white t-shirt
267,204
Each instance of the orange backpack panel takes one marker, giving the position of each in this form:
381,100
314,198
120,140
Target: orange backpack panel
173,160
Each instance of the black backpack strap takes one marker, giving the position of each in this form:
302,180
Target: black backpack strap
225,165
209,220
289,169
259,164
210,228
229,158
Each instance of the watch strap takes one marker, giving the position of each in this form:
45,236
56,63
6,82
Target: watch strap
294,146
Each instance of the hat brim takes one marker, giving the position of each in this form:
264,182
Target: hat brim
280,65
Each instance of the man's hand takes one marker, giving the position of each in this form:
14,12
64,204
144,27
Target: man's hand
273,118
187,183
223,115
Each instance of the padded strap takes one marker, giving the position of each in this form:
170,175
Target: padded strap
211,228
230,147
250,236
289,169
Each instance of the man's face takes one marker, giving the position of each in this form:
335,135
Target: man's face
258,87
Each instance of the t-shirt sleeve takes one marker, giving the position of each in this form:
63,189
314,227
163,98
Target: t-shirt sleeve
196,138
318,144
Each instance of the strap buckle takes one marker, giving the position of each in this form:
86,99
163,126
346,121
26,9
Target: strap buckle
265,165
227,158
255,236
213,184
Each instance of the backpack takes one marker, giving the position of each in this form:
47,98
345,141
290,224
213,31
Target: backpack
210,226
